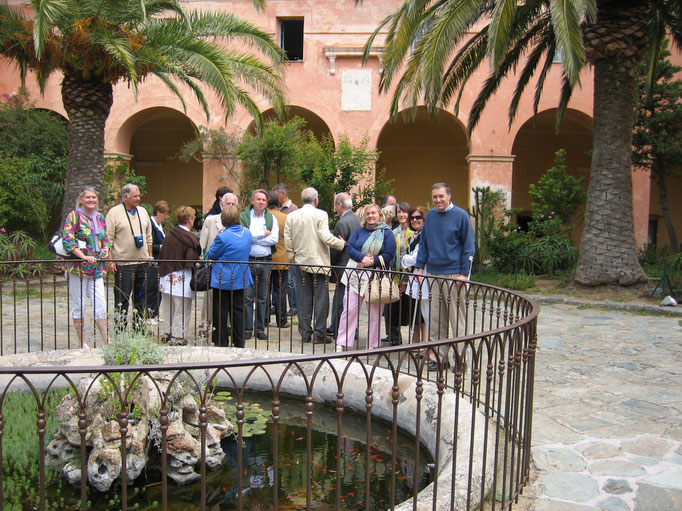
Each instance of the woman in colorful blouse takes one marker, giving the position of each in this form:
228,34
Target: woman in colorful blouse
86,224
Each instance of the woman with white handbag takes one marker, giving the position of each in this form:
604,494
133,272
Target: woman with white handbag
371,246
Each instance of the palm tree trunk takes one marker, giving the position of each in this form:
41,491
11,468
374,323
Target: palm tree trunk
87,104
608,252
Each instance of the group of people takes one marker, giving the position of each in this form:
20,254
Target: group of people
269,235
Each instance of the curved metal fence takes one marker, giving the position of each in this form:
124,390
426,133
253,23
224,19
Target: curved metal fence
444,423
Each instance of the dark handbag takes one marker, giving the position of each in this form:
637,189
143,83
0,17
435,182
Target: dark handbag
201,277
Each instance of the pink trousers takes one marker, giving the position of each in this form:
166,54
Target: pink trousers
349,321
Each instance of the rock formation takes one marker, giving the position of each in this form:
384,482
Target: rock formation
102,432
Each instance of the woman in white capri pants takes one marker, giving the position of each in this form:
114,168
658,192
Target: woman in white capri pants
85,275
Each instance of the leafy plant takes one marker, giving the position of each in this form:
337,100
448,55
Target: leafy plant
331,168
127,348
519,282
487,205
17,247
21,448
118,172
270,156
676,261
255,418
131,348
557,194
218,145
656,145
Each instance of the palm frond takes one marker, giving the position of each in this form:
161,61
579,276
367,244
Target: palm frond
542,78
566,24
121,52
228,27
657,41
168,81
546,45
402,30
46,11
525,36
463,65
566,93
370,41
500,28
450,26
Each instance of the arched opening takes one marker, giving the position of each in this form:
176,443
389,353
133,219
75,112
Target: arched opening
313,122
157,136
418,152
534,148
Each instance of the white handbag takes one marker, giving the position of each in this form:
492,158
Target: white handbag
57,246
382,288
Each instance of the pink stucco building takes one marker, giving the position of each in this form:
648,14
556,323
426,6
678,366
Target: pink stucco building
330,88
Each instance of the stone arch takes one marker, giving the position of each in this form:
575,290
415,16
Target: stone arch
314,123
535,144
155,137
56,113
420,151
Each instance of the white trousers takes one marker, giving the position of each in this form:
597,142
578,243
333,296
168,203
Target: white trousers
176,311
79,287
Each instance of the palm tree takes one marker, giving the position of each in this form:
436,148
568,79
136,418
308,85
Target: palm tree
97,43
430,51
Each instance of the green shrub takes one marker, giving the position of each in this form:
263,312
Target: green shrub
131,348
557,194
20,445
487,205
676,262
520,282
18,246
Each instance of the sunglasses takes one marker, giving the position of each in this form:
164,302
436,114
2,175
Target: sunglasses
418,217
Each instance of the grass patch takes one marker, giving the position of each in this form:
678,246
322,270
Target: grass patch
21,454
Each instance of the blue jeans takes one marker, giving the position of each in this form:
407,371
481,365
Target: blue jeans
258,291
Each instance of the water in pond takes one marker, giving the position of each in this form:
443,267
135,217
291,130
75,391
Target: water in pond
339,466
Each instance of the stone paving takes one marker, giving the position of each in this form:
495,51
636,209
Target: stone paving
607,422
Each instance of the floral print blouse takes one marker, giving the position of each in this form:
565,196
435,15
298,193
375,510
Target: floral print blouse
78,227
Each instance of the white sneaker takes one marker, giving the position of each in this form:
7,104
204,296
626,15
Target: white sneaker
339,348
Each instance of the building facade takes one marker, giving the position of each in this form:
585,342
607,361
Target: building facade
330,88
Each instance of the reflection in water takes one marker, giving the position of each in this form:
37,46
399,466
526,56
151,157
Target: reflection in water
341,466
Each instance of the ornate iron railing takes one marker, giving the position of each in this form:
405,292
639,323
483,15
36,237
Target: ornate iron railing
471,409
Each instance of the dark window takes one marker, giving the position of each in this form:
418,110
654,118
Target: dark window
291,38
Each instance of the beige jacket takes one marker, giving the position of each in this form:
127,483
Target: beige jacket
280,256
307,238
121,237
211,228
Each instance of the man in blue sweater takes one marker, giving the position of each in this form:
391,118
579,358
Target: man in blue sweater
446,250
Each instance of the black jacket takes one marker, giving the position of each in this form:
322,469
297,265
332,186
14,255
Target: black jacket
344,228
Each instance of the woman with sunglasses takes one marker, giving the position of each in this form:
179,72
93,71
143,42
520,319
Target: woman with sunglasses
417,293
397,314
